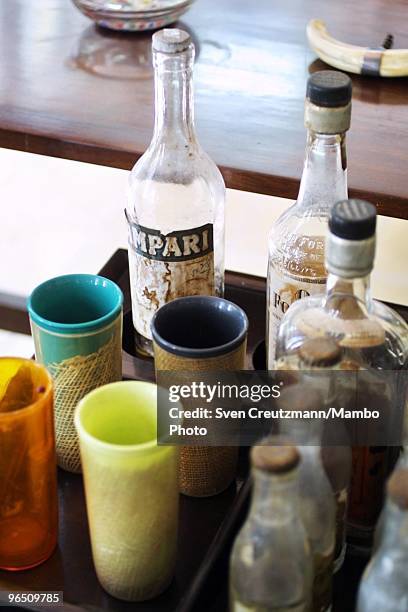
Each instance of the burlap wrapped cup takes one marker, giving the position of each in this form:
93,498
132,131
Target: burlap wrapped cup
76,323
202,334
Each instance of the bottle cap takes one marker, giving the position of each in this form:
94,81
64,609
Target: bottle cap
275,459
321,352
397,488
328,102
353,220
351,243
329,88
171,40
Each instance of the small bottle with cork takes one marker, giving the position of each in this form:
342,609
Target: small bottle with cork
317,504
384,583
271,563
317,362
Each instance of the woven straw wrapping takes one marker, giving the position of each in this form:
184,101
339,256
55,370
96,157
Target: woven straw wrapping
204,470
73,379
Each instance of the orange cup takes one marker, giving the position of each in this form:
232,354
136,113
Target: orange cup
28,479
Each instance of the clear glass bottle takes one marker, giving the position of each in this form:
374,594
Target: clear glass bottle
296,265
372,337
176,197
271,564
317,504
402,464
384,584
317,358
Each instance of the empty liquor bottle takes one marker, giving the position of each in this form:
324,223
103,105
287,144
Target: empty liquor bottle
316,499
317,358
384,584
271,564
373,339
402,464
176,197
297,240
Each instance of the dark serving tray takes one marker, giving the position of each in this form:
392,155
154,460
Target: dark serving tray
207,526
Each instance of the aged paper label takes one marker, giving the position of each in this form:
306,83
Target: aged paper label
283,291
165,267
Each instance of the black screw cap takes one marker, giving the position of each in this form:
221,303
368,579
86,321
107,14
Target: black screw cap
353,220
329,88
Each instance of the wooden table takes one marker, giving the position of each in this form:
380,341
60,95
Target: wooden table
70,90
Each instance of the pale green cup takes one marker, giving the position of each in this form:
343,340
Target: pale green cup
131,487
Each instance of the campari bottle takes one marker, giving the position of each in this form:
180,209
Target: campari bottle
176,197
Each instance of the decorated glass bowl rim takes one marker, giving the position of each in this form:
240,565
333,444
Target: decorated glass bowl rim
213,351
149,445
33,406
163,10
76,328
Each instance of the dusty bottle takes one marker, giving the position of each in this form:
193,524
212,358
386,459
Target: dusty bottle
317,504
319,359
384,583
373,338
176,197
296,265
402,464
271,564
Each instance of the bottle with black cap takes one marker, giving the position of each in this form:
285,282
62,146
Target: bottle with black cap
373,339
176,197
297,241
384,584
271,565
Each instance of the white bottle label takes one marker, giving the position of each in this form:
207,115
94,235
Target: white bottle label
283,291
165,267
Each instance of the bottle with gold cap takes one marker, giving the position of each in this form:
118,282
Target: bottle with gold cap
271,564
384,585
318,360
296,266
317,503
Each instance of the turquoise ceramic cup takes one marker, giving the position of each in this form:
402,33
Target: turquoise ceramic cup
76,323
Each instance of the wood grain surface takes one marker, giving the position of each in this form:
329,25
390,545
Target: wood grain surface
71,90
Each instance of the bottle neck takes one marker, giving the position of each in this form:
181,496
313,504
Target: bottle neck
395,529
174,101
274,497
358,288
324,178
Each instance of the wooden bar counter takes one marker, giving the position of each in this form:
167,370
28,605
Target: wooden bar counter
68,89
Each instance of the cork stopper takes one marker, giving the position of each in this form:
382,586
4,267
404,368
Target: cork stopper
171,40
320,352
275,459
301,397
397,488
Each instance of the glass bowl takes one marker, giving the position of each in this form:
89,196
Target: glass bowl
133,15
